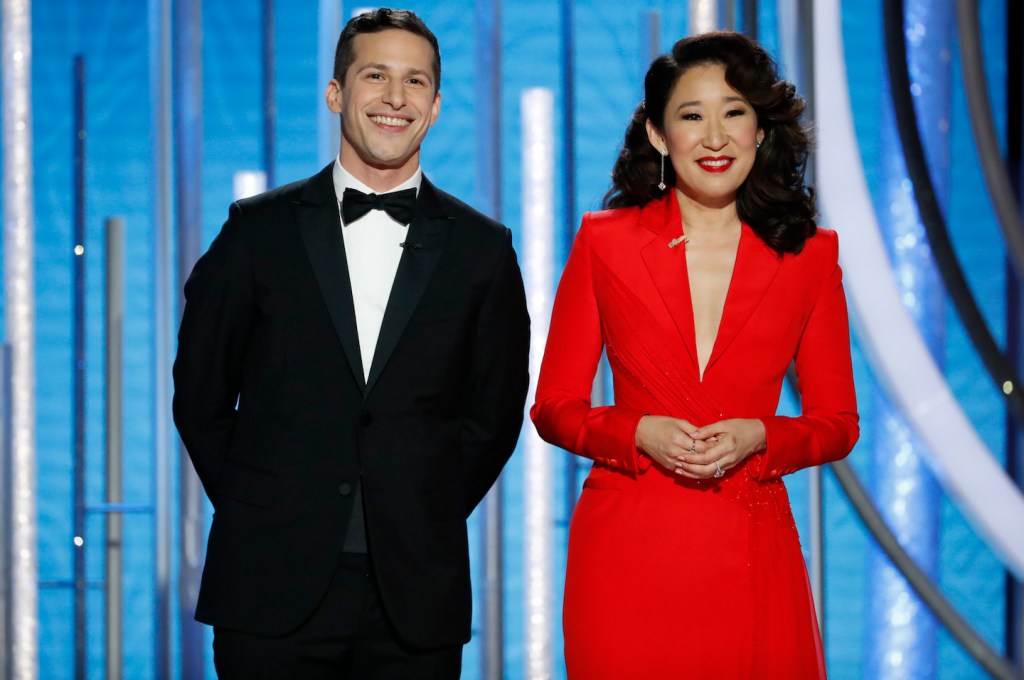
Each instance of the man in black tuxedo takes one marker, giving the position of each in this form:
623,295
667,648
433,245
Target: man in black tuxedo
350,379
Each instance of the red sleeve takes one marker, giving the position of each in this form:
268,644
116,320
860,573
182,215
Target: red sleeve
828,427
562,412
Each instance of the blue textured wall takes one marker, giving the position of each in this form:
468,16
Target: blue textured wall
610,60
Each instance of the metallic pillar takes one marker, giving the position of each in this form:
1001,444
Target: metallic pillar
815,481
796,40
115,443
6,514
328,129
489,176
19,325
163,329
706,15
791,53
188,135
652,37
538,205
903,642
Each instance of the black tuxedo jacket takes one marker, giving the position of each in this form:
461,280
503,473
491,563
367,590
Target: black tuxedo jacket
272,406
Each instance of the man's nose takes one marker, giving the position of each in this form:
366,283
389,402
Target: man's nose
394,94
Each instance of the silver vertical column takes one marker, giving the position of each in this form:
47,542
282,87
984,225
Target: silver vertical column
708,15
652,37
328,131
188,136
115,549
796,40
791,53
6,516
816,494
488,117
163,316
19,321
538,201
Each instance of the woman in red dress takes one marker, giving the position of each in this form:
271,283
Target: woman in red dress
703,282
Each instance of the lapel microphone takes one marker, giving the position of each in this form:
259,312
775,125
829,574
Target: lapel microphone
411,244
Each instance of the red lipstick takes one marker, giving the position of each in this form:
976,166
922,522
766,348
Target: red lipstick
715,164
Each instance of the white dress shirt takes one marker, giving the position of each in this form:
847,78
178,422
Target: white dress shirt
372,250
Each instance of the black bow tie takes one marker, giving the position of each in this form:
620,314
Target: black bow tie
398,204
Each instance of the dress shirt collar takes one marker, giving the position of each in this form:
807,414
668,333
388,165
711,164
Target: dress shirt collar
343,180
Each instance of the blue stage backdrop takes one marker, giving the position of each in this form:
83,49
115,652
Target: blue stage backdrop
610,59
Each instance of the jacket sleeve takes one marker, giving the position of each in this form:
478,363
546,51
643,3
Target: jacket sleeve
562,412
828,427
212,344
499,378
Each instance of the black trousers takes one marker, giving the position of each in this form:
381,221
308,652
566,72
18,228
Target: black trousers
348,637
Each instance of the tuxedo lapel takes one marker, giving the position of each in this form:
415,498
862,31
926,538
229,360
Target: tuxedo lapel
320,226
667,267
755,268
428,234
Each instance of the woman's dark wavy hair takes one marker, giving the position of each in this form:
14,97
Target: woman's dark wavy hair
773,200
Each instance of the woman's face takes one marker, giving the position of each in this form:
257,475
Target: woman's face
711,136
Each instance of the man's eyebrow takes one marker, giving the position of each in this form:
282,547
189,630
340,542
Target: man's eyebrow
389,68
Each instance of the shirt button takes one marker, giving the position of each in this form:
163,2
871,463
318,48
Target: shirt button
345,488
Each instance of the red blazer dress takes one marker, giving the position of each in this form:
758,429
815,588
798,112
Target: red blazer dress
668,577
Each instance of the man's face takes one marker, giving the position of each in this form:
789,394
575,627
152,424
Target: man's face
387,104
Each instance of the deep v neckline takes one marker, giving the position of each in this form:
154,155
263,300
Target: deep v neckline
721,316
754,269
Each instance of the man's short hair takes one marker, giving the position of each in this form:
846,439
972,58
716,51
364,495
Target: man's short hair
378,20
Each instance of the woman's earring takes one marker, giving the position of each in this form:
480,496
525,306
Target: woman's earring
661,183
757,144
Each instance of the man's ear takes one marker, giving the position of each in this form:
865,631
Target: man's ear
334,96
657,140
435,108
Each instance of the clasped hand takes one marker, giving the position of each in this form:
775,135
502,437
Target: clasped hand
698,452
